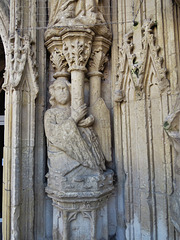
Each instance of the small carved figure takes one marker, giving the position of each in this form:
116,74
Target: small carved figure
71,142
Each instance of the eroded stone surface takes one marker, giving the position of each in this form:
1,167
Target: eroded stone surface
75,159
77,13
146,200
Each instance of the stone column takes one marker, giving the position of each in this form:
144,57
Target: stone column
59,63
96,63
98,108
78,181
77,49
22,89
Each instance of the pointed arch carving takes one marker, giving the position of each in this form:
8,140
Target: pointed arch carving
21,56
125,67
138,67
151,51
22,89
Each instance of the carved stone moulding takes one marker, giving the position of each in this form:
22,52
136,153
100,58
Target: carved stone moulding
79,186
53,43
77,45
21,55
80,205
89,212
137,66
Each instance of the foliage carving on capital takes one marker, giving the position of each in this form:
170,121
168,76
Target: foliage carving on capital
58,60
98,57
97,60
77,49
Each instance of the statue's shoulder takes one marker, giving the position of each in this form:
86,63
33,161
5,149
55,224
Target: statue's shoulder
50,112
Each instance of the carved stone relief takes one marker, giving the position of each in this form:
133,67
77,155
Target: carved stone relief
78,136
76,13
137,67
142,99
20,53
21,87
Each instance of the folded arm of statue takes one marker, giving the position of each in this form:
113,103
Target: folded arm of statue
79,117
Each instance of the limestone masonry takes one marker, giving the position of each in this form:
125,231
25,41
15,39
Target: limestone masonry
91,124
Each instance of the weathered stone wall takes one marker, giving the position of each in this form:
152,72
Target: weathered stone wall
140,88
145,93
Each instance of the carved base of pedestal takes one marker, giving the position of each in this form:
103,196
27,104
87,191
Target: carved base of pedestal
80,213
80,219
81,186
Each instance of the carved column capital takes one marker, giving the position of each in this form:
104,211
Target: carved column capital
98,56
77,48
58,60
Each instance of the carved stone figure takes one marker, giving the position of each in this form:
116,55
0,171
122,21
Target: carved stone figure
74,152
74,10
76,13
78,182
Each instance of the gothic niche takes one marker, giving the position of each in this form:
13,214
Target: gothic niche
78,136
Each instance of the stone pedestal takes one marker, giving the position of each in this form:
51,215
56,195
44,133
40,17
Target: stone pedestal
80,215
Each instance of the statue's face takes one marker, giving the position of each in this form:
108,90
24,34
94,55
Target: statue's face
61,93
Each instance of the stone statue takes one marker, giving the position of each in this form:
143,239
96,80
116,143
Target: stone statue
76,13
78,182
73,11
73,146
